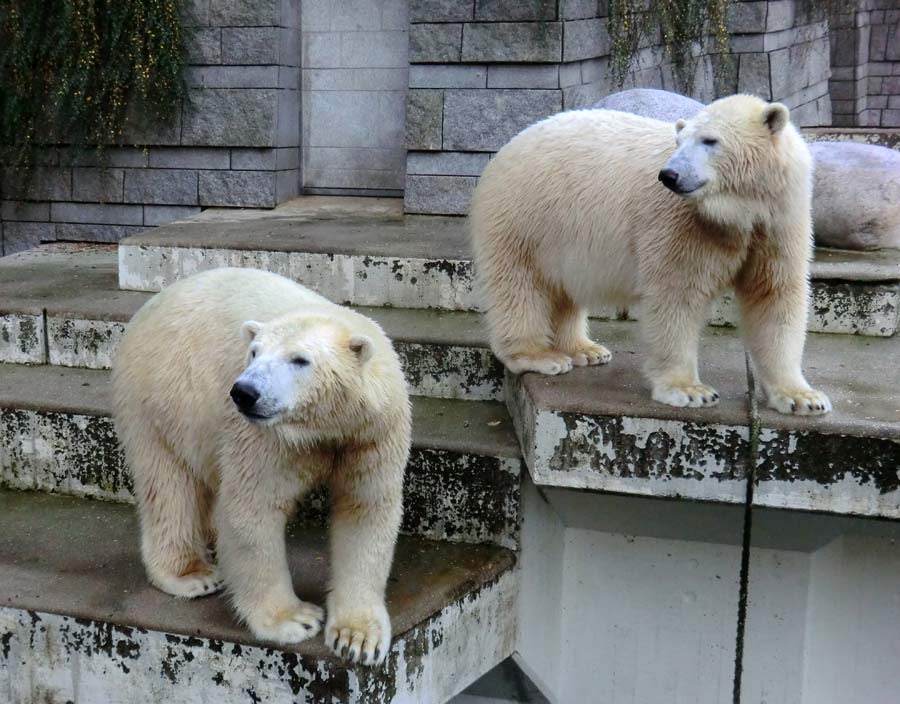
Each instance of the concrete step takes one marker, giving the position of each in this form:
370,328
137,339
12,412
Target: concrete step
80,623
599,429
462,482
60,304
424,262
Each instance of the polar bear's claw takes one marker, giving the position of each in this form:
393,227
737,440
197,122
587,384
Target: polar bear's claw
200,582
293,625
360,637
549,363
686,395
590,355
800,402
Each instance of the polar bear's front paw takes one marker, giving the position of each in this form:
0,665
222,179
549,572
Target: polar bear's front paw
550,363
360,635
686,395
799,402
290,625
202,579
590,354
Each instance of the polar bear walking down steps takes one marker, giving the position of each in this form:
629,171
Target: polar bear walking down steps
317,396
571,213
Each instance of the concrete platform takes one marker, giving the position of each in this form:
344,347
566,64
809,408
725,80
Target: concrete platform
599,429
425,262
462,482
78,618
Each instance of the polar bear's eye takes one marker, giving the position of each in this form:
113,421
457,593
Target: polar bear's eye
300,361
252,354
710,141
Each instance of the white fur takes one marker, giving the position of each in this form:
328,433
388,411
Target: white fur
207,475
570,214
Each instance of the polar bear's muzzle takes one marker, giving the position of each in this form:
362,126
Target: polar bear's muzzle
245,396
686,171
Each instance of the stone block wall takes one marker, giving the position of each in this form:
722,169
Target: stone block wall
865,58
235,141
355,75
482,70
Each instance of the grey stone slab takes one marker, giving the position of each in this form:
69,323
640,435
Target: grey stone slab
355,16
140,130
254,159
421,11
355,119
100,213
24,211
204,45
287,131
354,179
189,158
484,120
371,159
375,49
435,43
439,195
424,119
155,215
780,15
128,157
22,236
245,13
512,41
585,39
233,76
315,15
99,185
579,9
287,185
525,76
321,49
371,79
194,13
446,163
753,75
514,10
161,186
447,76
230,118
84,232
250,45
289,47
395,15
22,338
570,74
747,17
289,77
37,183
249,189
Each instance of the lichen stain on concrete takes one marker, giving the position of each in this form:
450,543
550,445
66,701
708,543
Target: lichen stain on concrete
787,456
442,371
640,448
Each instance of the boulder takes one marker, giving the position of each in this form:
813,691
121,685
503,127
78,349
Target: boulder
650,102
856,195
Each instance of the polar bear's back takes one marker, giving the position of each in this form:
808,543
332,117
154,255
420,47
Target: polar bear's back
582,182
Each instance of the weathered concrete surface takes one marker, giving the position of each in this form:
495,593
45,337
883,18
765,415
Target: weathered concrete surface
598,429
883,137
462,482
78,621
425,262
444,353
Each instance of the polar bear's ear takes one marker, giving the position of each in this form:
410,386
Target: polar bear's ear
679,125
249,330
775,117
361,346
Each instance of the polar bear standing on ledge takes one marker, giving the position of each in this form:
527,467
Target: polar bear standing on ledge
571,213
317,395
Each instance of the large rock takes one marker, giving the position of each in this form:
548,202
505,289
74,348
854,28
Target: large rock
856,195
650,102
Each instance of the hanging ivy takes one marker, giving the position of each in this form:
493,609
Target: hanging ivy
80,72
686,28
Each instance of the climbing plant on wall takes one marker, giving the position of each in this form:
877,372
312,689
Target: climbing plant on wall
79,72
686,28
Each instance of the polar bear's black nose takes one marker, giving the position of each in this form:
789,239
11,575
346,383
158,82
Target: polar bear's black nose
244,395
669,178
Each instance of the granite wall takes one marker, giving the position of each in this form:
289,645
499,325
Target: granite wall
865,59
482,70
234,142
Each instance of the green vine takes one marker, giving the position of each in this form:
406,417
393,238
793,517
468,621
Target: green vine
686,26
82,72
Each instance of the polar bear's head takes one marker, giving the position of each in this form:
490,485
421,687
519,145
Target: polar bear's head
302,369
737,153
